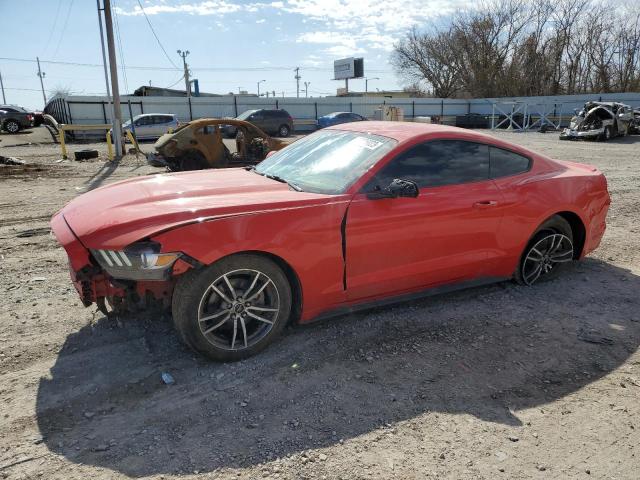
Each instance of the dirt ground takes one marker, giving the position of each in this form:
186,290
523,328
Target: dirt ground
494,382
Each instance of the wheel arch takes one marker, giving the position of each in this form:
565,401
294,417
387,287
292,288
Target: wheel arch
578,230
290,273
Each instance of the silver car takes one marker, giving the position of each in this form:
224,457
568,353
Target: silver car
150,126
599,121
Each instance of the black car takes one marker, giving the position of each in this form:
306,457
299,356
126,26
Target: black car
273,122
14,118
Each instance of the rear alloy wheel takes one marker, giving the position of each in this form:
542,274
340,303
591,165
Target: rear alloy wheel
12,126
547,253
234,308
283,131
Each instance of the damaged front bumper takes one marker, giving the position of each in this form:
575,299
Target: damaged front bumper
569,134
94,283
88,279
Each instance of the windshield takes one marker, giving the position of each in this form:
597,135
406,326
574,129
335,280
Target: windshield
328,161
245,115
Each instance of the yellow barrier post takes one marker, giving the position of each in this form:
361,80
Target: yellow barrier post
102,126
109,147
133,141
62,145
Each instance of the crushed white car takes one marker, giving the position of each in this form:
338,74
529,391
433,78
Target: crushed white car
599,121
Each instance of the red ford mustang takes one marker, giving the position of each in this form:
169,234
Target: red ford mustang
350,216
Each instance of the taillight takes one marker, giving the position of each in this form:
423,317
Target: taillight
29,117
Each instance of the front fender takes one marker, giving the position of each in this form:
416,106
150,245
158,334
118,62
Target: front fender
307,238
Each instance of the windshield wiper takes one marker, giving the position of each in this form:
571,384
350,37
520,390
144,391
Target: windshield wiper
282,180
274,177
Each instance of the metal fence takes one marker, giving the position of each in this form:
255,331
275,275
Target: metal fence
95,110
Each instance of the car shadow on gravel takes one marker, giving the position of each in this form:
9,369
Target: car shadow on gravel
487,352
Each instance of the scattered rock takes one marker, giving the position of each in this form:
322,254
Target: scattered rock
89,414
167,378
542,468
513,438
11,161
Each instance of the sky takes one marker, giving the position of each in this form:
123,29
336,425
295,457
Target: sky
233,44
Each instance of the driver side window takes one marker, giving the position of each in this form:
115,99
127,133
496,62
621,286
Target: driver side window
436,163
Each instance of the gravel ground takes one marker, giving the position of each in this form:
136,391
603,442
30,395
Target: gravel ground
493,382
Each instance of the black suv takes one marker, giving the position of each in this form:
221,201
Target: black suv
273,122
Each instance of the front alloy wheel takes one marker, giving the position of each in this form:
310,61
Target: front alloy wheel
545,255
233,308
238,309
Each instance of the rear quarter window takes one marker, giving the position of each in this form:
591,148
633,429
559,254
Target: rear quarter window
504,163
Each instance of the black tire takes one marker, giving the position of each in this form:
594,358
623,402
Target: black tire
607,134
284,130
548,235
11,126
192,160
86,154
195,298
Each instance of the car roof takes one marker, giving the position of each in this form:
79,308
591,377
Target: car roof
402,131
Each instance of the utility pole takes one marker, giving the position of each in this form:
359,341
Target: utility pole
113,68
366,83
4,100
297,77
41,74
187,83
306,89
106,73
259,86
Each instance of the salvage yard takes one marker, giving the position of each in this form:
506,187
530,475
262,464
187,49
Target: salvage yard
494,382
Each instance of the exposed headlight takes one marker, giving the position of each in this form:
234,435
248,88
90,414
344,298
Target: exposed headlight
140,261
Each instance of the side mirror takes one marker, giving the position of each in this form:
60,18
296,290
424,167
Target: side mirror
397,188
269,153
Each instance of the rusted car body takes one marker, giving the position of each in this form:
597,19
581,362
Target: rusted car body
599,121
199,144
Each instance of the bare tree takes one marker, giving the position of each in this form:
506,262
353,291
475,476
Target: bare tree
509,48
428,58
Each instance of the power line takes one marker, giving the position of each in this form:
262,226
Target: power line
171,69
122,64
176,82
64,28
154,34
53,28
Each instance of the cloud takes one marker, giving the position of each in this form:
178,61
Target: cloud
353,26
208,7
312,61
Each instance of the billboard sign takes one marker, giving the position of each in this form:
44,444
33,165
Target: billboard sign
348,68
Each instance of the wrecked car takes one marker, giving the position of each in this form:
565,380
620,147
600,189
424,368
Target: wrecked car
345,218
199,144
635,122
599,121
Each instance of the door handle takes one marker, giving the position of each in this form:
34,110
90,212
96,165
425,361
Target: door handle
485,204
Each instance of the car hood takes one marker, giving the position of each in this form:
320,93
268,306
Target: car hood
117,215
